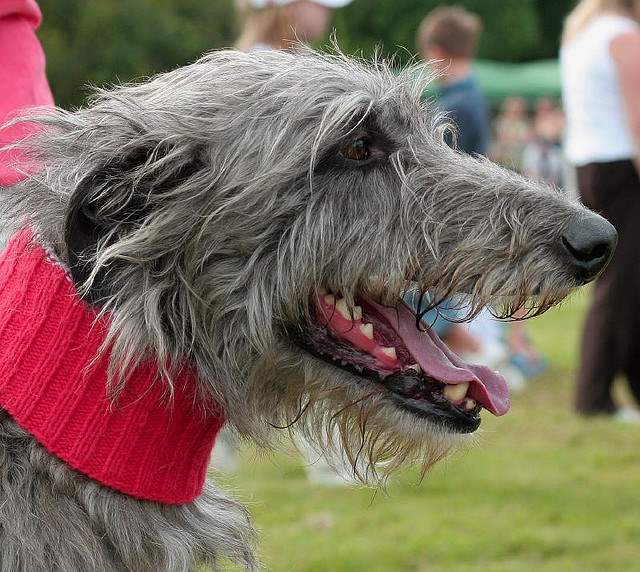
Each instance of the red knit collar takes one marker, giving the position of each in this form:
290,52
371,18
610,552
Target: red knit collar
145,444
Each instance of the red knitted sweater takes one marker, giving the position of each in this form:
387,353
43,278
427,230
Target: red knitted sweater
145,444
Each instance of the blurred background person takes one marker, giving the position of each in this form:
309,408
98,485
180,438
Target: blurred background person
542,156
447,39
535,151
512,132
600,63
549,118
279,24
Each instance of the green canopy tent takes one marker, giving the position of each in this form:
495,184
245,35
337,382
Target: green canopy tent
499,80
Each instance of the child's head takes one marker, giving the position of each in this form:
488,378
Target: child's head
449,33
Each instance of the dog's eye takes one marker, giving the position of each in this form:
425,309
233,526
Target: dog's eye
357,150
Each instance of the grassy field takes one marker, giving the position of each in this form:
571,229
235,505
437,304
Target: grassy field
540,490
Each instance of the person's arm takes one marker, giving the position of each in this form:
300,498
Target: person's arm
22,77
625,51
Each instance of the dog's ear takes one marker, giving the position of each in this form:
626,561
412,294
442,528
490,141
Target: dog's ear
113,201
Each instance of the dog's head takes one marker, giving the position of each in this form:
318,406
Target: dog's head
261,216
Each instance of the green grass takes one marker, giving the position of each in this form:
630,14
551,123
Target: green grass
540,490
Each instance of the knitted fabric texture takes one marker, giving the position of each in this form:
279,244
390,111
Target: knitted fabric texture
145,443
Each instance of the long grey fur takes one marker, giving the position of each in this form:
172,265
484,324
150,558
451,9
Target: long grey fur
224,211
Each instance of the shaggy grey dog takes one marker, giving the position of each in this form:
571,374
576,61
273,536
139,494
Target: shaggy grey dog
215,211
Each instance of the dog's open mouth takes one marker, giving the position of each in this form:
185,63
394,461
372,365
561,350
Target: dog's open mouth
419,373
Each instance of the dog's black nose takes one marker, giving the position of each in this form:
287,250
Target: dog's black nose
589,240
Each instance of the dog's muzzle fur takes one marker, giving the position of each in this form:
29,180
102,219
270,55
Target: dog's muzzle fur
210,211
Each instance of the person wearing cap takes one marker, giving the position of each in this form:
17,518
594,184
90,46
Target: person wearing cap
279,24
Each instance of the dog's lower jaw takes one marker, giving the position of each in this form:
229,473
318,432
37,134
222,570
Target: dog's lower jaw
53,519
356,424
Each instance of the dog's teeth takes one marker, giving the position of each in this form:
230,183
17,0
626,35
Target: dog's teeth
415,367
330,299
456,393
391,352
367,330
357,313
343,309
469,404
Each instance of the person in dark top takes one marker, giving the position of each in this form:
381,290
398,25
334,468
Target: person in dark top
466,107
447,39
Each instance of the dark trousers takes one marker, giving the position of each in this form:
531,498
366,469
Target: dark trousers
611,338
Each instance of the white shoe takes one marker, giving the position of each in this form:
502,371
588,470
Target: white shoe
627,415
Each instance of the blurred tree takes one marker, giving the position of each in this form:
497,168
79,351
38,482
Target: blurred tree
514,30
119,40
551,14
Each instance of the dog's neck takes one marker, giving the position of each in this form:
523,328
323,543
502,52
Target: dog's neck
146,443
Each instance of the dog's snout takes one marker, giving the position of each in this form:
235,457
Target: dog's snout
589,240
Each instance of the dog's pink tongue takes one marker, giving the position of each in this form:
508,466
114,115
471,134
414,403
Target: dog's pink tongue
437,361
